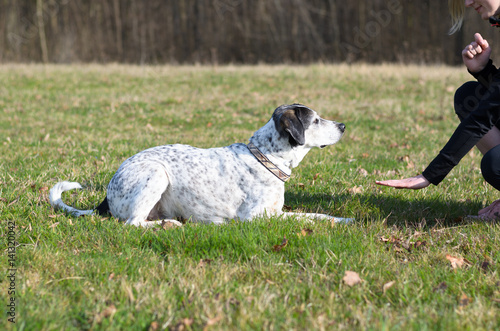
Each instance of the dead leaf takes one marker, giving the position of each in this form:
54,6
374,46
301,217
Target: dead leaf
388,285
54,225
168,225
279,247
351,278
183,324
441,287
111,276
457,262
419,244
301,185
212,321
363,172
43,188
305,232
154,326
356,189
204,262
464,300
316,176
107,312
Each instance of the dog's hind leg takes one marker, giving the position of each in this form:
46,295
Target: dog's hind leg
136,199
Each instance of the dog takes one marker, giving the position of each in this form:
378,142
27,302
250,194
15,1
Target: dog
174,183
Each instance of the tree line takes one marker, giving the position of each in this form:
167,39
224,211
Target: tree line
233,31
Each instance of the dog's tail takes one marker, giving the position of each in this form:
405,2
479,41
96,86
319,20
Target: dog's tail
57,203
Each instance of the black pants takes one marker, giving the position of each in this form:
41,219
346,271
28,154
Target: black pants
467,98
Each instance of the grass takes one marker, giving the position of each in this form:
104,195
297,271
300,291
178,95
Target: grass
80,122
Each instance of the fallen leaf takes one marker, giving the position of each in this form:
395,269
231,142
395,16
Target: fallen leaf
419,244
464,300
108,312
184,324
43,188
154,326
212,321
351,278
388,285
279,247
356,189
54,225
305,232
363,172
168,225
485,265
457,262
316,176
204,262
441,287
111,276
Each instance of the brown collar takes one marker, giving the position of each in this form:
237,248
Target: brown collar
267,163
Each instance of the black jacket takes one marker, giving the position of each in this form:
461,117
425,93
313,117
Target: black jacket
471,129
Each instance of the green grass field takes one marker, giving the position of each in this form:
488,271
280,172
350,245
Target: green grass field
80,123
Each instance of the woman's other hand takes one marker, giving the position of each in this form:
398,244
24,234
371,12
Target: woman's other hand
476,54
414,183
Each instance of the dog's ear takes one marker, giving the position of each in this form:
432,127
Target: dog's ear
293,122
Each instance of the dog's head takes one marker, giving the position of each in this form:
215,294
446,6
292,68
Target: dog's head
303,126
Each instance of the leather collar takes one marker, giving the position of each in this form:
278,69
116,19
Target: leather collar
273,168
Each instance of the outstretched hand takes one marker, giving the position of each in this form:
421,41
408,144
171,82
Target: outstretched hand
413,183
490,212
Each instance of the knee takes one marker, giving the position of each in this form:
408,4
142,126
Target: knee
490,167
467,98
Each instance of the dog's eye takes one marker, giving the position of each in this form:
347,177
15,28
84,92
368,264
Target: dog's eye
316,121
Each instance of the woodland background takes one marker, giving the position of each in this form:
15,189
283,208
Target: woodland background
233,31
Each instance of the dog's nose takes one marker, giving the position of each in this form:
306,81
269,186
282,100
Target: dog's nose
342,127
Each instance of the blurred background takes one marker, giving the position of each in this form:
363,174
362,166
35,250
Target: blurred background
234,31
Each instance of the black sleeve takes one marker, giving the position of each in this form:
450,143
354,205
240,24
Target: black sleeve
485,76
469,132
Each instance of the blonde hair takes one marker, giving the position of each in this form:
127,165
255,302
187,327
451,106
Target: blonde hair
457,12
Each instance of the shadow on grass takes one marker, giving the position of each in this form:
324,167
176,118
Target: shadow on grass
396,210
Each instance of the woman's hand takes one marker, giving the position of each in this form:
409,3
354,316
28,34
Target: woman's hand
491,212
414,183
476,54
